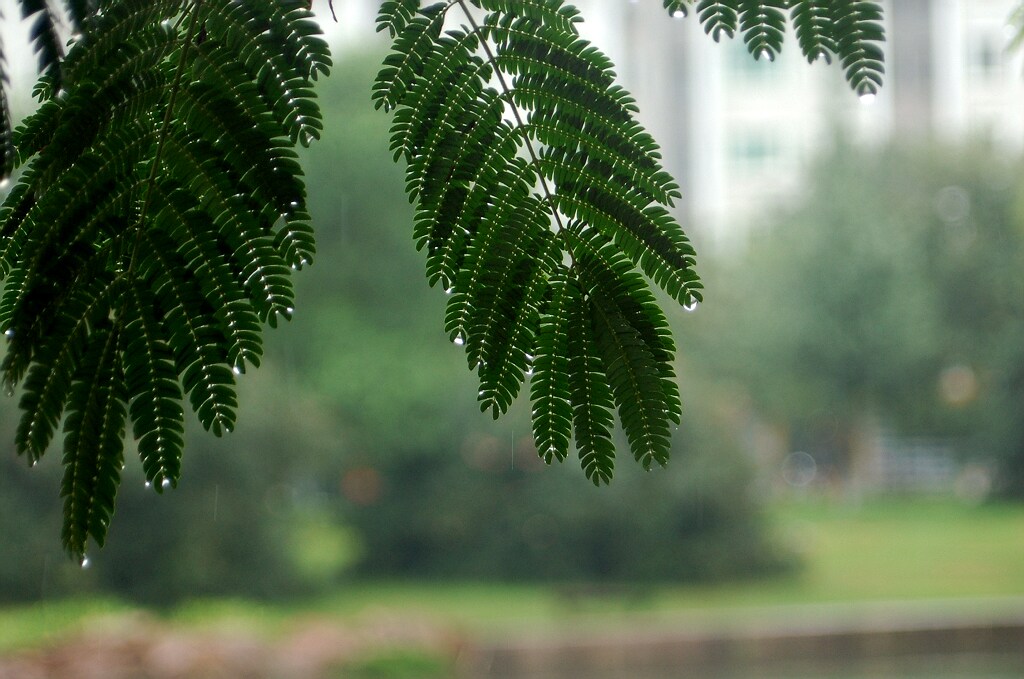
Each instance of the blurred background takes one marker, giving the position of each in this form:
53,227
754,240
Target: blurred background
845,494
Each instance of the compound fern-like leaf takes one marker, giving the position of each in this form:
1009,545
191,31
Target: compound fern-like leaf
152,232
763,23
858,34
515,138
46,42
94,442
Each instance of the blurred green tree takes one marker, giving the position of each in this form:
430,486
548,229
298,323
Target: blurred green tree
893,293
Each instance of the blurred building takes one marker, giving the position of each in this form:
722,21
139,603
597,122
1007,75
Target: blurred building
739,134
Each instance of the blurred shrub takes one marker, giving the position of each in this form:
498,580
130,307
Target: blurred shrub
228,529
890,297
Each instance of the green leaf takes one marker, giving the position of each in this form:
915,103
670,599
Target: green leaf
590,393
93,443
549,385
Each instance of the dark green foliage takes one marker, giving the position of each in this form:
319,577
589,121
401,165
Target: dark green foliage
45,41
848,29
536,223
763,24
540,200
858,30
153,228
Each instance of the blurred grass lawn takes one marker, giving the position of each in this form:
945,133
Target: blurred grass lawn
914,551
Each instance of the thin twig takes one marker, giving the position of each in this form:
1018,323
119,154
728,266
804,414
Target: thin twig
515,113
163,134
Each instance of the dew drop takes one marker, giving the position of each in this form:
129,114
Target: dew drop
236,369
459,340
691,304
868,98
34,463
765,54
678,14
165,484
85,562
4,183
148,484
289,311
449,291
9,333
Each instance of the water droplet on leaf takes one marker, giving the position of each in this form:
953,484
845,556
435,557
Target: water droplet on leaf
459,340
868,98
85,562
165,484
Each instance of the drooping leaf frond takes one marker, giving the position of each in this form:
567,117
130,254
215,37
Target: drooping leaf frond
94,441
763,23
858,34
46,41
849,30
720,18
539,200
153,229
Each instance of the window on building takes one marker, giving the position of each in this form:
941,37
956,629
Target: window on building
754,150
985,54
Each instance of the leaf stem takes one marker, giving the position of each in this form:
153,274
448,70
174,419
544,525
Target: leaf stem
162,135
515,113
